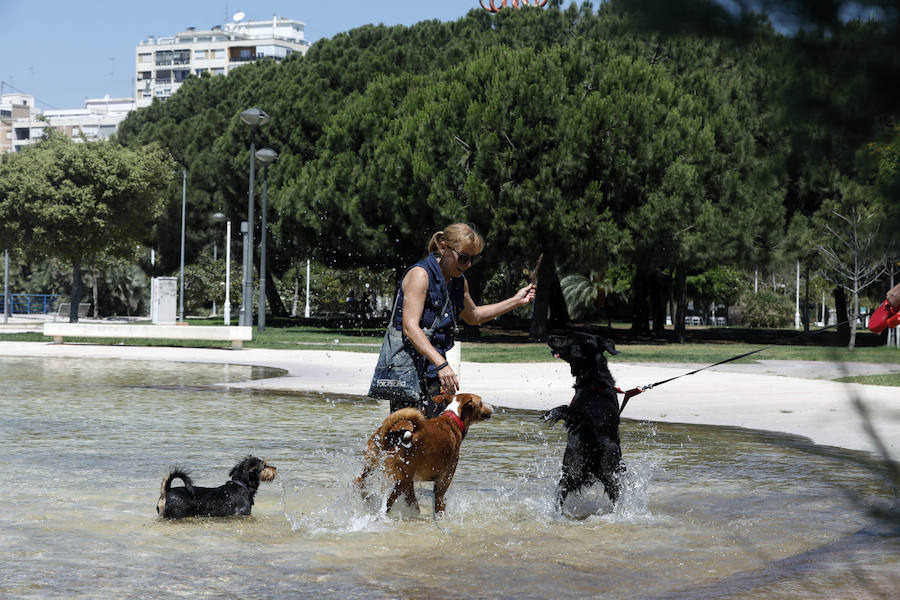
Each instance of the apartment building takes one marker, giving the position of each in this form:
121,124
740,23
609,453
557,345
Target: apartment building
21,124
163,63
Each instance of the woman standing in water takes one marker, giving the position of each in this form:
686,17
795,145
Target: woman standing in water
436,285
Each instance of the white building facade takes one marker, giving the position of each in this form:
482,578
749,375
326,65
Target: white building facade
162,64
21,124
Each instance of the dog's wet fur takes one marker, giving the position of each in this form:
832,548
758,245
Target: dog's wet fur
593,451
409,448
234,498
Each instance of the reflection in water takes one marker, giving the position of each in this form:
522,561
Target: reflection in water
705,512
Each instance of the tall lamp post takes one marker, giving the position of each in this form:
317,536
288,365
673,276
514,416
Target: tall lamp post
254,117
183,215
266,156
246,261
220,218
6,308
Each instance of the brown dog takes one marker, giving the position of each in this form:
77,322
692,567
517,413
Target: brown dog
411,448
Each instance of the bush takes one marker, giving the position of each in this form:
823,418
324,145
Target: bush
766,309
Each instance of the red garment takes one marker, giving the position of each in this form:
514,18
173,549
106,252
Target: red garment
886,316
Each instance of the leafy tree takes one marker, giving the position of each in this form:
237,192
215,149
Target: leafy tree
886,156
565,132
587,295
78,202
719,285
766,309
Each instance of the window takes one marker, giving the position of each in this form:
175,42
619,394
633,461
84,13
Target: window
145,57
218,53
200,54
181,57
181,74
218,71
199,72
142,75
163,57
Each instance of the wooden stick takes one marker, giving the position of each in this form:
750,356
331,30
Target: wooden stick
534,273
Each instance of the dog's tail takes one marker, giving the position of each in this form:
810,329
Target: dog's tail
166,485
397,430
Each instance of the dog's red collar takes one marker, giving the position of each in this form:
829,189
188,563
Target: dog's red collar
462,426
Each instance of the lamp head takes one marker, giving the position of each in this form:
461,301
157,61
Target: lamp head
266,155
254,116
219,218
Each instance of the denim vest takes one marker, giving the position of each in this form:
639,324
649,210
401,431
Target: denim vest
435,296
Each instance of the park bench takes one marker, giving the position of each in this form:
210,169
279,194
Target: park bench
63,311
236,335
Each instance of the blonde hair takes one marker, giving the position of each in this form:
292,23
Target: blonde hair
456,235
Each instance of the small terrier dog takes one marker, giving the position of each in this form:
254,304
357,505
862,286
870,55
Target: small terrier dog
411,448
232,499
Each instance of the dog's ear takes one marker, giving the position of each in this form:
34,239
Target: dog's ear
246,467
442,399
609,346
466,402
467,398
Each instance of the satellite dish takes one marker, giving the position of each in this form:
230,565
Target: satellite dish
238,16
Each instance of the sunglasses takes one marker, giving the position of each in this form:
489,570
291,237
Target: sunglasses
465,258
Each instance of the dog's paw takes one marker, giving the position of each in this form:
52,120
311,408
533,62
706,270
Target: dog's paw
555,414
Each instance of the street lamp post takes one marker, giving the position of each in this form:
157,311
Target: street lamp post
242,313
220,218
254,117
306,308
6,308
183,215
266,156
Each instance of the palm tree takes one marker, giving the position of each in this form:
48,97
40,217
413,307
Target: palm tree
585,296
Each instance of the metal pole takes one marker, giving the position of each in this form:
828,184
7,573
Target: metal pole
248,260
306,310
228,272
797,303
215,260
895,333
244,310
183,213
6,286
261,321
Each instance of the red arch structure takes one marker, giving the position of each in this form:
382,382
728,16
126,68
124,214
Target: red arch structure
494,6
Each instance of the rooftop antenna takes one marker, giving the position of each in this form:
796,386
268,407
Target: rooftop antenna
238,16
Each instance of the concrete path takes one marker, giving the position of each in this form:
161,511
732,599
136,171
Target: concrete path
823,411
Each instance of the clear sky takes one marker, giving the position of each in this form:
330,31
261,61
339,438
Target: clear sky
64,51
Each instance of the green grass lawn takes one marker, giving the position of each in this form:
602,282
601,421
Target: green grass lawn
353,339
890,379
684,353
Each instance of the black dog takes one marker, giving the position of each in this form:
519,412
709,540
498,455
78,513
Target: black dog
592,418
232,499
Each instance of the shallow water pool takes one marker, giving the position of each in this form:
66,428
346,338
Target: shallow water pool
705,512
